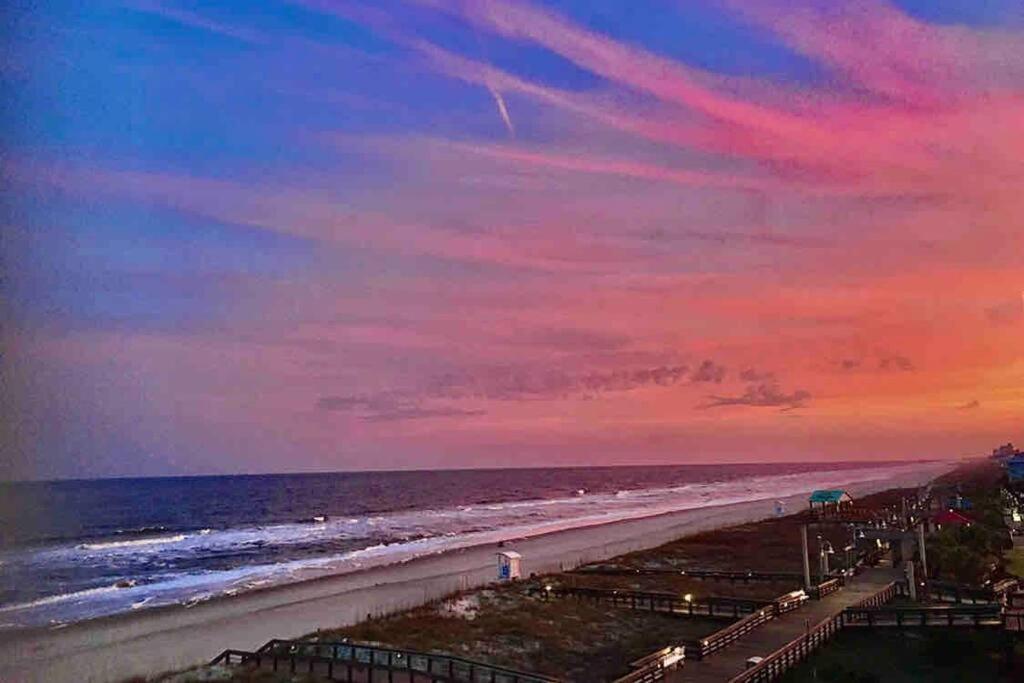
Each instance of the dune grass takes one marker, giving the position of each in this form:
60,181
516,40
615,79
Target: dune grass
564,638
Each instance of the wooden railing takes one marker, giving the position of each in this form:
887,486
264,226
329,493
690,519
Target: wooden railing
947,590
790,601
794,652
733,632
670,603
350,661
900,617
783,659
825,588
703,574
652,668
890,591
730,634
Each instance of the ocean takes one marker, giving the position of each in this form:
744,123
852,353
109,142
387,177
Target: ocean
73,550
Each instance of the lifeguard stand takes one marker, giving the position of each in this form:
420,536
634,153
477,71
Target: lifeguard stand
509,565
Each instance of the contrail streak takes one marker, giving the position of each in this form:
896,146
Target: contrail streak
502,109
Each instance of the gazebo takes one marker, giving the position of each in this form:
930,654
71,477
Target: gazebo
830,501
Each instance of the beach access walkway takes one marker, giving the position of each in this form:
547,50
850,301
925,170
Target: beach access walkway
730,662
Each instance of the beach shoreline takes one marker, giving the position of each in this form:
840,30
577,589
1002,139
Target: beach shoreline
169,638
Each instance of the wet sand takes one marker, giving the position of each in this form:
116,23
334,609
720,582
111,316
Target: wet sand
149,642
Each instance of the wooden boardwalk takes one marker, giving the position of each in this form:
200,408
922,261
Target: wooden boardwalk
724,665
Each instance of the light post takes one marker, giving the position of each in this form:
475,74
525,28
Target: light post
824,550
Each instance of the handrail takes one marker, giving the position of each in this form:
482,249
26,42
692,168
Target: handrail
931,609
226,656
797,649
658,602
732,576
927,615
651,668
380,657
792,653
727,636
736,630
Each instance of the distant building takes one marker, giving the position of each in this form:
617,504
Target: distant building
1004,452
830,501
1015,468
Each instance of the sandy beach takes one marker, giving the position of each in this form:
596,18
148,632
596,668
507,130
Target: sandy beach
152,641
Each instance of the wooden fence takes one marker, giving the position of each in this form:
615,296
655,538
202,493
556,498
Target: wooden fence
960,615
350,662
702,574
670,603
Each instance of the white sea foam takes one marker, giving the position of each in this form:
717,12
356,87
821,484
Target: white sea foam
154,540
62,597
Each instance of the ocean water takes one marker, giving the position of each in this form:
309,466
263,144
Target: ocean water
74,550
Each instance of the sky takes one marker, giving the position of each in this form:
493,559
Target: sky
330,235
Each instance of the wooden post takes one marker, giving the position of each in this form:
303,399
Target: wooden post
822,561
806,555
924,555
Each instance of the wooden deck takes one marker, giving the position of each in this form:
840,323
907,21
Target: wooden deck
724,665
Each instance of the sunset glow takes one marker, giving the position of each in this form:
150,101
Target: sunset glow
427,233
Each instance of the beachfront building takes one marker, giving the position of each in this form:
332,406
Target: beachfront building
830,502
1004,452
1015,468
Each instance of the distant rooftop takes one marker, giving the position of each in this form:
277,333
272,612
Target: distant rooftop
830,496
951,517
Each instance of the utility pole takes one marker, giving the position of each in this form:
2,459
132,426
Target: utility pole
806,556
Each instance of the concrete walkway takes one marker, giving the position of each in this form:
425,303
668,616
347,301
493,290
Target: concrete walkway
725,664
